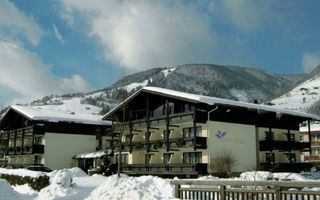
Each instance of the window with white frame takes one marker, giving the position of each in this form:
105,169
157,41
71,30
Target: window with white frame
192,157
189,133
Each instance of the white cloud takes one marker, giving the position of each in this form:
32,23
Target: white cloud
248,15
17,23
144,34
310,61
57,34
25,73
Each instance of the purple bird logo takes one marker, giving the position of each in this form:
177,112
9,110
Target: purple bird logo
220,134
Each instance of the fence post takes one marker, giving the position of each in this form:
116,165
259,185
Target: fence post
222,192
278,193
177,191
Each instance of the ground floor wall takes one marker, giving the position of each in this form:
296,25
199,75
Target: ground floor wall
60,149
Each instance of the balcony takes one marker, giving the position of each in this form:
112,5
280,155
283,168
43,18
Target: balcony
286,167
160,121
24,132
315,143
11,150
165,169
18,150
201,143
312,158
269,145
38,149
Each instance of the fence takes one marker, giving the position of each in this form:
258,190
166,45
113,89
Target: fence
246,190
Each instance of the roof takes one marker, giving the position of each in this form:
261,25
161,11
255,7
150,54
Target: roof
211,101
313,127
43,114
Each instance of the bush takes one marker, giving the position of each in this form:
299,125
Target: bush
35,183
222,165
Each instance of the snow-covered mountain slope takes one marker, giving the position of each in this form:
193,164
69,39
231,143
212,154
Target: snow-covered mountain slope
302,97
230,82
67,108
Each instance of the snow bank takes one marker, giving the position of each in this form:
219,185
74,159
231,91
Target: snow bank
264,175
63,178
69,184
22,172
256,176
144,187
26,191
290,176
8,193
73,172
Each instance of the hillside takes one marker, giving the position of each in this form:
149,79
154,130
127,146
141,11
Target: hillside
236,83
304,97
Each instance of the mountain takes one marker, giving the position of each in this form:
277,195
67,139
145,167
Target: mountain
304,97
231,82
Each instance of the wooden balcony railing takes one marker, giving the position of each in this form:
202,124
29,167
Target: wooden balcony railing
245,190
201,143
35,149
268,145
286,167
165,169
312,158
315,143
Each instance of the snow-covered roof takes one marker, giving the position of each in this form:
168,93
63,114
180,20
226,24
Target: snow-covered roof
96,154
51,115
313,127
212,101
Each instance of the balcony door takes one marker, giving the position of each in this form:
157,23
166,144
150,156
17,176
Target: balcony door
167,158
270,158
189,133
147,159
124,158
269,136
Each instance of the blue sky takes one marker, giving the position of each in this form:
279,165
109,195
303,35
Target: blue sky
61,46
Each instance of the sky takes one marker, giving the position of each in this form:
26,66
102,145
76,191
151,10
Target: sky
66,46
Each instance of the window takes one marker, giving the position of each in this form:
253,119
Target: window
192,157
124,158
38,140
292,157
188,132
269,135
166,158
38,160
147,136
292,137
270,158
128,137
81,164
313,138
147,158
100,142
164,134
164,110
188,108
313,152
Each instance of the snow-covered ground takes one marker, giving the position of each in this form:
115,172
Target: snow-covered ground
74,184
